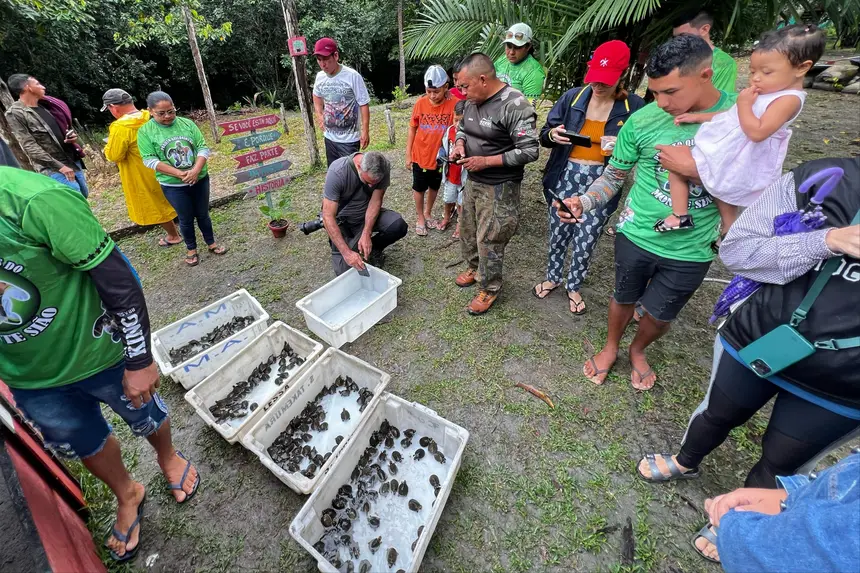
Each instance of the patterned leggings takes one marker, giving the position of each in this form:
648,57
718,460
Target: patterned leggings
573,182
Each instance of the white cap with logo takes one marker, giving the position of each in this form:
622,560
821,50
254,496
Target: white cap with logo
435,77
519,34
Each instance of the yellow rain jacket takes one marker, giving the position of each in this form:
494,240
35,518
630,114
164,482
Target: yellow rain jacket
143,195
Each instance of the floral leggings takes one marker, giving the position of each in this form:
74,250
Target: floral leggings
583,235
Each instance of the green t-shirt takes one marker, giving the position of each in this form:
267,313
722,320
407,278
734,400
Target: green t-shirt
177,144
725,72
649,199
50,328
526,77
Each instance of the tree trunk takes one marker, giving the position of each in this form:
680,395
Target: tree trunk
201,73
6,101
400,44
303,91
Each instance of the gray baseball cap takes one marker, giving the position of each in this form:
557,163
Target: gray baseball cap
116,96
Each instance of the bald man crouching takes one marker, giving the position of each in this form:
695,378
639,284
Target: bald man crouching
496,139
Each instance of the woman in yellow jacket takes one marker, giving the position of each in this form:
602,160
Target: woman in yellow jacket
143,196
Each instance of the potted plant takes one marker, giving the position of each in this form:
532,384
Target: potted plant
278,215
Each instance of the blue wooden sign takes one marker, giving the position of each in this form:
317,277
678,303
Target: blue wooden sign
255,140
262,171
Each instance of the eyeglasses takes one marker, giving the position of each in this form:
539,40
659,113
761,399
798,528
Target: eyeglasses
518,36
165,113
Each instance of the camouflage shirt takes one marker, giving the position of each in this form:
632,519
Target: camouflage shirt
505,124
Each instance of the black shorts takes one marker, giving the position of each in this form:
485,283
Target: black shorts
424,179
663,286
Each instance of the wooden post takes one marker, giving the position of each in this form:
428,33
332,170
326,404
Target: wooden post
389,121
400,44
306,106
201,73
6,101
284,120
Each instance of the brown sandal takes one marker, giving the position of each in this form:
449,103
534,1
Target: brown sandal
192,260
219,250
577,308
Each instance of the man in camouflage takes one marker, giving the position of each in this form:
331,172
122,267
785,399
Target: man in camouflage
496,139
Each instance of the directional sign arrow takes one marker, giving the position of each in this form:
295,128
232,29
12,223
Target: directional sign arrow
243,125
260,156
255,140
265,187
262,171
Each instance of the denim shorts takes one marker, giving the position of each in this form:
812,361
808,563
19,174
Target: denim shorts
70,417
663,286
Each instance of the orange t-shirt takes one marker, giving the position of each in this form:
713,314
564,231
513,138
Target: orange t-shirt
593,130
431,121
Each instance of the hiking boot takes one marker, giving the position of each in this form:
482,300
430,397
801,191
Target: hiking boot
467,278
482,302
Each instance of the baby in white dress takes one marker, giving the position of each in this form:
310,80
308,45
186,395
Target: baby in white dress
739,152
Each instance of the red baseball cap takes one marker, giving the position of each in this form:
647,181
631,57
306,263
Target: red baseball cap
609,61
325,47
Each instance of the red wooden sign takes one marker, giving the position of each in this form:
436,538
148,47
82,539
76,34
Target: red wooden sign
243,125
298,46
249,159
255,190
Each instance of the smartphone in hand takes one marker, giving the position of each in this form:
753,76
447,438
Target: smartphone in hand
577,139
564,207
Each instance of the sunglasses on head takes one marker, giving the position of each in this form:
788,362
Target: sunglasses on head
517,36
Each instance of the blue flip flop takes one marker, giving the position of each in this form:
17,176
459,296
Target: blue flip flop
178,486
123,537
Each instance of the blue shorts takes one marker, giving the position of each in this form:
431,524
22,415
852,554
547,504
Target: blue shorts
70,417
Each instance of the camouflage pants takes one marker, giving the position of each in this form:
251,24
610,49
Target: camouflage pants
491,214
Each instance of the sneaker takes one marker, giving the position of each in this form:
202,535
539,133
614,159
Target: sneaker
482,302
467,278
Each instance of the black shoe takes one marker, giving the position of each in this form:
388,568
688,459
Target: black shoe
376,258
684,222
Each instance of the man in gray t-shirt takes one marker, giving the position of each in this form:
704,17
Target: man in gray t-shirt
353,214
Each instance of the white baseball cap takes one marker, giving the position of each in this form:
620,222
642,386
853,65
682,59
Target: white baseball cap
519,34
435,77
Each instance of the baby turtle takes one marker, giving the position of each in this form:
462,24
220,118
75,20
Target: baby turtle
338,440
385,488
364,566
374,544
414,505
383,455
409,433
395,455
327,518
346,524
425,441
253,406
392,556
366,507
384,426
350,513
420,529
432,447
403,490
373,521
344,415
439,457
394,486
394,432
338,503
419,453
405,442
392,469
307,437
434,480
350,568
389,442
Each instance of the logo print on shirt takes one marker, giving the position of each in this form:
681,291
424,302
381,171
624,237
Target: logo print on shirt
486,122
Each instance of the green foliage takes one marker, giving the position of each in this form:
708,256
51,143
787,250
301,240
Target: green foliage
280,209
164,23
400,94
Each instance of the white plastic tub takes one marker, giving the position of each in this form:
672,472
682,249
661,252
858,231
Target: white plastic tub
190,372
217,385
323,372
306,528
345,308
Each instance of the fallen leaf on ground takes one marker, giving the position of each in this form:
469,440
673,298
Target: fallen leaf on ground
536,393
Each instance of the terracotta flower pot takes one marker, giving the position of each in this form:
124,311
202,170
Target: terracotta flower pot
279,228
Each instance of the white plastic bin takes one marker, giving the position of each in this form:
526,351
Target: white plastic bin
345,308
323,372
217,385
190,372
306,527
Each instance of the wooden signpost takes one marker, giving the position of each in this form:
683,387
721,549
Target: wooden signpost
259,156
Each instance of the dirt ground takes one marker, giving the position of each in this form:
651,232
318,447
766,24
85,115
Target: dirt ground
539,489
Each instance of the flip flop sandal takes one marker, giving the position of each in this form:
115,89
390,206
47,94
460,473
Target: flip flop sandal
178,485
597,371
163,242
192,260
643,376
420,230
130,553
455,235
432,224
442,226
543,292
579,307
685,222
610,231
657,476
219,250
709,535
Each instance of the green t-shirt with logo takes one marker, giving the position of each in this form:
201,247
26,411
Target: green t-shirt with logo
177,144
649,199
526,76
725,72
52,324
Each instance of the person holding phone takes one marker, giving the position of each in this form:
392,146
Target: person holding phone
581,123
817,396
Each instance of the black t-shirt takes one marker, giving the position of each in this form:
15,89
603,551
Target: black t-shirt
58,133
833,375
343,184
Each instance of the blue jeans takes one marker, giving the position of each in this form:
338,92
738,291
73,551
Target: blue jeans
79,184
192,202
70,418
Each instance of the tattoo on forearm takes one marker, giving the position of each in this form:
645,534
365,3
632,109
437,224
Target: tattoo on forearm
604,188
